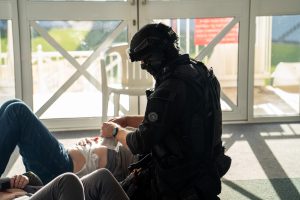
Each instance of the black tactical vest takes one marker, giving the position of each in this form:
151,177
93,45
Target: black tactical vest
188,164
203,120
201,142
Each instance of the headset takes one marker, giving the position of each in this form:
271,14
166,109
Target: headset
151,45
151,38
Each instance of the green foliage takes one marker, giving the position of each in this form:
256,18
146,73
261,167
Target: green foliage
3,45
71,40
285,52
40,41
3,42
67,38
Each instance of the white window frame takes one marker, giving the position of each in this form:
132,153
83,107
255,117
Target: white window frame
239,9
8,11
31,11
141,12
266,8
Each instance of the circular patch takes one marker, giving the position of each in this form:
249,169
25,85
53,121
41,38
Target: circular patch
152,117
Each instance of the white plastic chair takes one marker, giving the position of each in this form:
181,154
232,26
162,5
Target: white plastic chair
129,78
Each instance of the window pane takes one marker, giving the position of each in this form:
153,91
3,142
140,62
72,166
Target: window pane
60,50
196,34
79,0
277,66
171,0
7,78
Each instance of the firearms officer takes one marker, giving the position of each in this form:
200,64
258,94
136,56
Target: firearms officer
182,125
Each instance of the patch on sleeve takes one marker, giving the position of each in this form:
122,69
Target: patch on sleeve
152,116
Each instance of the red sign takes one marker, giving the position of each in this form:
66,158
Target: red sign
206,29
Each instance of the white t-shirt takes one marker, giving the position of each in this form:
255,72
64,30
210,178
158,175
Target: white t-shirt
22,198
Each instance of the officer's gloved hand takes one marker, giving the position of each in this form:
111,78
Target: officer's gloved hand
34,180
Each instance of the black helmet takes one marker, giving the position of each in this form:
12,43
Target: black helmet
155,45
152,38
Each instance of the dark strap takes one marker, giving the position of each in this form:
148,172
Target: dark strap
34,180
206,107
142,163
213,96
4,183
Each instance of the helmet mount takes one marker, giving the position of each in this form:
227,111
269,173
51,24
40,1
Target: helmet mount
152,45
152,37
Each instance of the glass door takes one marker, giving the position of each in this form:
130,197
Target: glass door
9,52
276,54
50,54
62,45
215,32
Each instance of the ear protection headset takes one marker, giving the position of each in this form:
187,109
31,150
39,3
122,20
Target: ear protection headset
151,38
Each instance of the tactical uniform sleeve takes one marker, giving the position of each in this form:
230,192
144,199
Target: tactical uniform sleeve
163,110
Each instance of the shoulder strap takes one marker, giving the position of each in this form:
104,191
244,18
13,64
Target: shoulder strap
212,102
143,162
201,86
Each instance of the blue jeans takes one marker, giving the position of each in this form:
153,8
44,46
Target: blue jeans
40,150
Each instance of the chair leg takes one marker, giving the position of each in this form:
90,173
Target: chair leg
116,104
105,99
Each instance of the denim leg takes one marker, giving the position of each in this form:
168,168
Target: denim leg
7,145
41,151
7,103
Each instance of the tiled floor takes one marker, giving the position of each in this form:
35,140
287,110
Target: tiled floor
265,160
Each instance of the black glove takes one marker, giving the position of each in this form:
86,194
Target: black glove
4,183
34,184
34,180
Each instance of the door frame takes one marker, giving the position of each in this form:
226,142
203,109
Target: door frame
238,9
9,11
31,11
